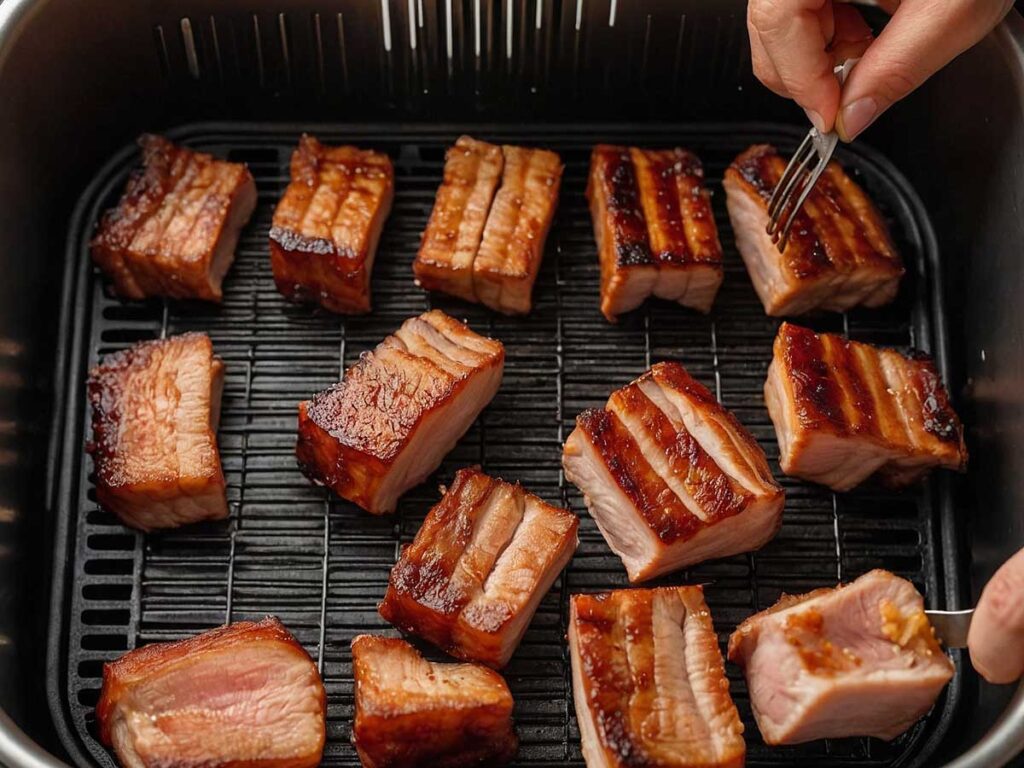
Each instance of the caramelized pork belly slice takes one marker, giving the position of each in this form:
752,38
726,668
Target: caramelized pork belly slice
857,660
649,682
654,228
839,253
242,695
155,409
670,477
486,555
680,226
175,228
324,235
844,410
472,171
413,713
388,424
507,263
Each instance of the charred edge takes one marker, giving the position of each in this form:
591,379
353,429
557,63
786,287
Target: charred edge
813,385
938,417
623,208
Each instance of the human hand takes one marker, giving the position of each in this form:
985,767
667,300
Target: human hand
996,637
794,45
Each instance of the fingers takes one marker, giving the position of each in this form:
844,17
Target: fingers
920,39
996,639
788,46
852,34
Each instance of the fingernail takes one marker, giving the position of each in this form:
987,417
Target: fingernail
856,116
816,120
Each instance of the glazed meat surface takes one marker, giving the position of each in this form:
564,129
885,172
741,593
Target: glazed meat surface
486,555
472,172
245,695
856,660
844,410
324,235
155,409
839,253
485,238
670,476
413,713
174,230
398,411
507,263
649,682
654,228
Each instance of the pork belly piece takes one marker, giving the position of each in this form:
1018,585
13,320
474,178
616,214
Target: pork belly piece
155,410
486,555
472,171
670,476
324,235
510,253
844,410
388,424
649,682
174,230
839,253
654,228
244,695
856,660
413,713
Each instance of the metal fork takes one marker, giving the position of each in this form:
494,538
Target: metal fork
797,182
951,626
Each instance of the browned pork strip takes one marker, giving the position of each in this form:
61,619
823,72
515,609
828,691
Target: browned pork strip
857,660
510,253
649,682
413,713
245,695
654,228
670,476
155,409
473,578
323,239
839,253
472,171
174,230
485,238
844,410
388,424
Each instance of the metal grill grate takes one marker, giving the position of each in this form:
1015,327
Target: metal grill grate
321,565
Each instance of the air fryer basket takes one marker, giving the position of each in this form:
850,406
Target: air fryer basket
80,80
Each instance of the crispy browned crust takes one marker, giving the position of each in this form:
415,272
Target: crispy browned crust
151,661
161,237
666,516
472,172
405,726
838,229
136,397
615,650
717,494
677,208
838,386
425,598
650,211
351,434
325,230
510,253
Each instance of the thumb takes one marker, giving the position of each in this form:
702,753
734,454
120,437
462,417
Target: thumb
920,39
996,638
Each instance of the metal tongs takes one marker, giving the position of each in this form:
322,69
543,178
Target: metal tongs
951,626
797,180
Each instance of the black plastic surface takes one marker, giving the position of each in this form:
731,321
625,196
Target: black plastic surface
321,565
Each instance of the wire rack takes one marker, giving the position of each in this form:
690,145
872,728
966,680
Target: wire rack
321,565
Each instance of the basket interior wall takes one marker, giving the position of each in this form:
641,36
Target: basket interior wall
321,565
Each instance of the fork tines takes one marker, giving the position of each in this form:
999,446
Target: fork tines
796,184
